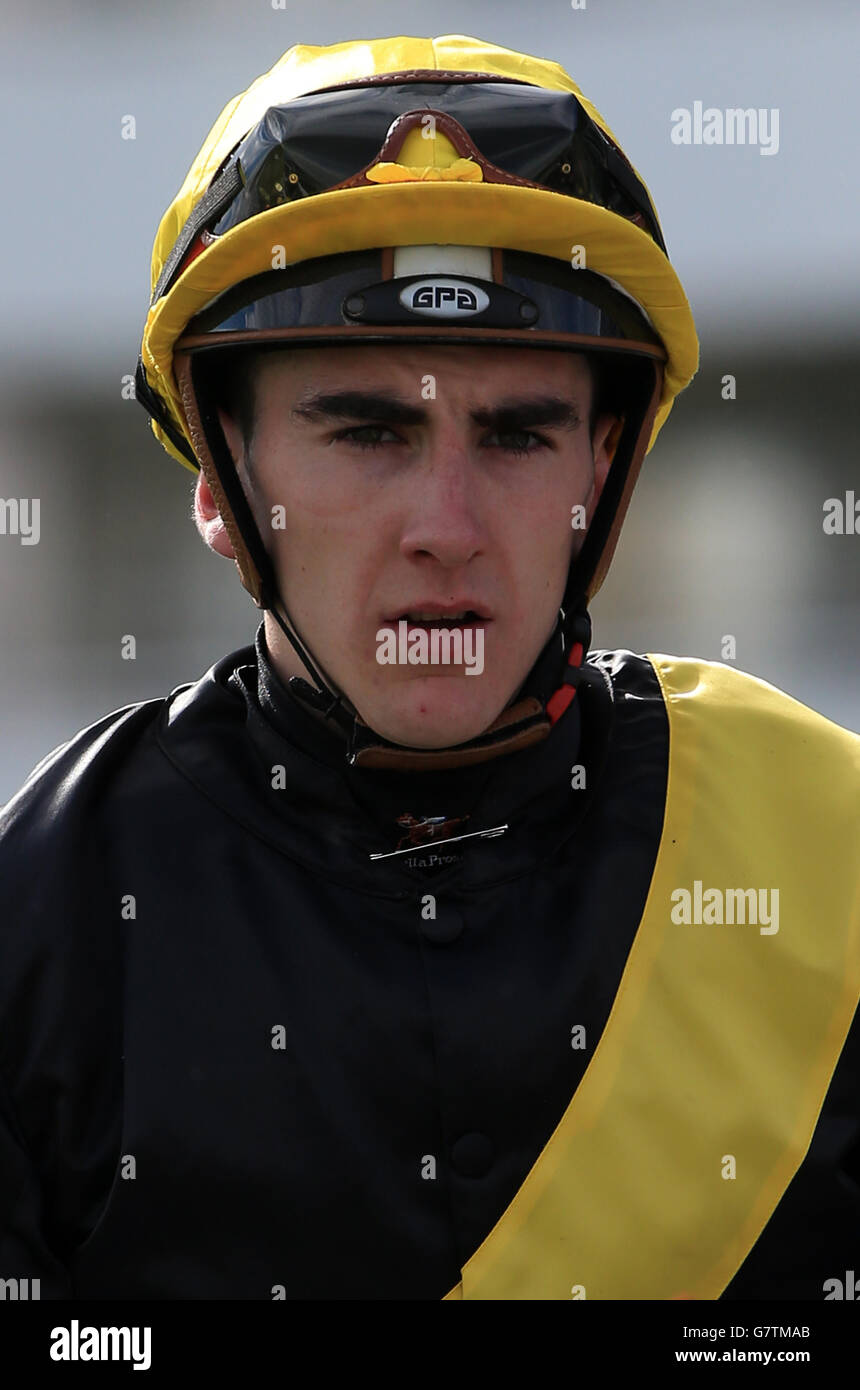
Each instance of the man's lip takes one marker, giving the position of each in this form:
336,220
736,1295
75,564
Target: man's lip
444,610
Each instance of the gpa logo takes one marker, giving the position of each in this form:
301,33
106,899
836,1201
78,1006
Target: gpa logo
444,298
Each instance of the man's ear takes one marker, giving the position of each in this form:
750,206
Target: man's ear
208,519
206,514
603,444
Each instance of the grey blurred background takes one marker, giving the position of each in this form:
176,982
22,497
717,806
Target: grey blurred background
725,534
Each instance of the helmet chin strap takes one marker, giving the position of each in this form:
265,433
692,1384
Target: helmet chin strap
324,699
527,718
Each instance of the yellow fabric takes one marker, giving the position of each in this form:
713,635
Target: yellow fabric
354,219
429,147
722,1039
464,171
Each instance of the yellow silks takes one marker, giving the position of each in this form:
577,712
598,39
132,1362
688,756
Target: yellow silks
723,1038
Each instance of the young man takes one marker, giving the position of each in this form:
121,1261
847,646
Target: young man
414,952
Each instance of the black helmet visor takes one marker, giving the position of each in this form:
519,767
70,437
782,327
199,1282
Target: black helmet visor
348,291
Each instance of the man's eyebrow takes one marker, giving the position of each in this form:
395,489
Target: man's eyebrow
508,416
358,405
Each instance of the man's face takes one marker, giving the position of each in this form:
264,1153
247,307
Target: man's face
418,483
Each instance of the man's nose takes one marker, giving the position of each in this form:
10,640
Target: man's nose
443,518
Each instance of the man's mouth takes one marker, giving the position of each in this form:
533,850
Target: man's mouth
469,618
442,615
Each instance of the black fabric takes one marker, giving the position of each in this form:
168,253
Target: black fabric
219,194
189,875
157,408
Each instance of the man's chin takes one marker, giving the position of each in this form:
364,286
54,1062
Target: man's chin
434,713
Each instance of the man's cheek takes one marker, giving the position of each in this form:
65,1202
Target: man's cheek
333,496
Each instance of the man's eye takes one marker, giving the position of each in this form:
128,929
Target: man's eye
367,436
514,441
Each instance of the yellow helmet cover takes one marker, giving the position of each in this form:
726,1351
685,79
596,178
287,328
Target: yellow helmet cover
443,205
